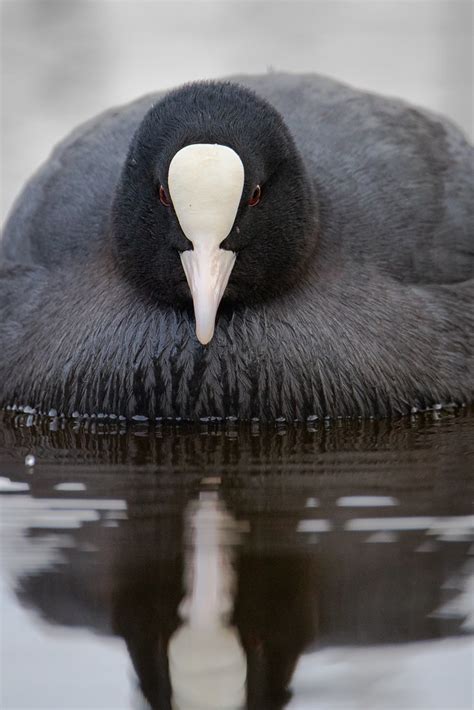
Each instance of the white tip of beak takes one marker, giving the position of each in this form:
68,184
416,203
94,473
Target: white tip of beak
207,272
205,184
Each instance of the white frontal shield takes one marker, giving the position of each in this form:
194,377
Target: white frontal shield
205,183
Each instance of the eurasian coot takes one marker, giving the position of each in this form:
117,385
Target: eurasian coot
272,246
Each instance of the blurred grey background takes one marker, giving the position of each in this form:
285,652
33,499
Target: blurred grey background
65,60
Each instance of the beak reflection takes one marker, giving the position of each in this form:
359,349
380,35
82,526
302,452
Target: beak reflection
207,663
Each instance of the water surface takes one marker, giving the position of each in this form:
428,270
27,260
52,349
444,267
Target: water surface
317,565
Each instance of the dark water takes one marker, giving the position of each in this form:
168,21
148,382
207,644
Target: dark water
313,566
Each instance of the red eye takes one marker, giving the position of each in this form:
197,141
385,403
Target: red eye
164,199
256,195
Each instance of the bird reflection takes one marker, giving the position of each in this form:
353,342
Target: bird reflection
218,586
208,622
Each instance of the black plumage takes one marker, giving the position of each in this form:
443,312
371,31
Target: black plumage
353,286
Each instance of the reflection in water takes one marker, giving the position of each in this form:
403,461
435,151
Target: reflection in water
206,661
233,564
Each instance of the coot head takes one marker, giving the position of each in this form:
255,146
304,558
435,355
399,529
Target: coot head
214,200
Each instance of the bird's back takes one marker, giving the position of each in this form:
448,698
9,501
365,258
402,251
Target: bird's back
395,181
61,214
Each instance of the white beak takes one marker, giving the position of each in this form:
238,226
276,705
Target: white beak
207,272
205,183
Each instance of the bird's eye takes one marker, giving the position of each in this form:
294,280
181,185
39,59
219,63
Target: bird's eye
256,196
164,199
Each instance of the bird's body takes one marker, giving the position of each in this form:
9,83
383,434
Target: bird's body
379,320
